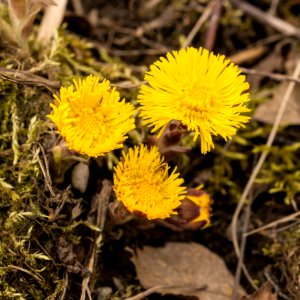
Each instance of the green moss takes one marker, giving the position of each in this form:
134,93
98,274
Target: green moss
286,254
30,220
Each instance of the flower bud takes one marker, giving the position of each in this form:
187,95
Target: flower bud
194,211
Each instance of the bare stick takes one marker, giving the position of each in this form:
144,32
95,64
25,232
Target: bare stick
240,264
273,7
159,288
136,52
267,18
274,223
100,200
274,285
66,281
213,25
78,7
248,55
36,277
44,169
202,19
261,160
24,77
127,84
274,76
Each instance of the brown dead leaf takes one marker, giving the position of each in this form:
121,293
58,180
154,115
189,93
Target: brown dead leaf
264,293
18,7
267,111
23,13
184,264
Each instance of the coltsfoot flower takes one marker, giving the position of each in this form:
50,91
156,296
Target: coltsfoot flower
91,117
205,92
203,201
194,212
142,184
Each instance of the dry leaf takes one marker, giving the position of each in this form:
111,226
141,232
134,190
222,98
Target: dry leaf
271,63
28,21
184,264
18,8
264,293
267,111
22,14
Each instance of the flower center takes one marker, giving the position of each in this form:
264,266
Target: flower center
148,187
90,121
197,100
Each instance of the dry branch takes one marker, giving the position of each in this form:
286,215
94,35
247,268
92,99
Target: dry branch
24,77
261,160
267,18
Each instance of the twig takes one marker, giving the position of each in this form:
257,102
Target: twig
89,293
202,19
240,264
274,285
24,77
36,277
270,39
274,223
274,76
149,5
256,50
100,201
213,25
47,169
267,18
62,297
44,169
47,252
153,44
273,7
127,84
78,7
163,20
261,160
288,227
159,288
136,52
248,55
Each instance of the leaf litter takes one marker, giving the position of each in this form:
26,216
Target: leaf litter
188,268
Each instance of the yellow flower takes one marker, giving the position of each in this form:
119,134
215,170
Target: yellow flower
142,184
203,91
203,201
91,117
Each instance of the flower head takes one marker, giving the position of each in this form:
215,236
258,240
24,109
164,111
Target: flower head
203,201
142,184
205,92
91,117
194,212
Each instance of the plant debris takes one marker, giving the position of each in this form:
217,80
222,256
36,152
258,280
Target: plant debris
187,268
